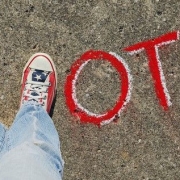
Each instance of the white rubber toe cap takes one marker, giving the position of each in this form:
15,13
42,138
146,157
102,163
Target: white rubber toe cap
41,61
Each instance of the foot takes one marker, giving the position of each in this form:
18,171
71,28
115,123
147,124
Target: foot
39,81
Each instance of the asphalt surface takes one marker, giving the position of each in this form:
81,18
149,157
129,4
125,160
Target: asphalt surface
144,143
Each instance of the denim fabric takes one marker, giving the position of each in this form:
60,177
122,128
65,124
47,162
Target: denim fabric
2,139
30,148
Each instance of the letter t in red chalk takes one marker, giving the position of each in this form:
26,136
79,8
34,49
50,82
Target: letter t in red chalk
151,48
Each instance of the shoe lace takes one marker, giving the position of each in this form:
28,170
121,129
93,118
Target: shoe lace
39,88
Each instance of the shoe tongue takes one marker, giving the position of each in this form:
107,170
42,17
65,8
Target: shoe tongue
34,94
39,75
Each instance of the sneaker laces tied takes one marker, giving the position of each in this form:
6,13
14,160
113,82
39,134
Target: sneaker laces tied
40,88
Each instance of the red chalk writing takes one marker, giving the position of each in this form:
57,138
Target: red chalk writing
70,89
151,48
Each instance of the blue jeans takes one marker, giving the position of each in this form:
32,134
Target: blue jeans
30,148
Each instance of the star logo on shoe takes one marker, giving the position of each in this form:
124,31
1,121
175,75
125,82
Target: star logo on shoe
39,75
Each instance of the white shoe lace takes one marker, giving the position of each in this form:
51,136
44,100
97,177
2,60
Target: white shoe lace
40,88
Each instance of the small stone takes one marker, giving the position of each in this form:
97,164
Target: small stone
164,19
2,97
114,1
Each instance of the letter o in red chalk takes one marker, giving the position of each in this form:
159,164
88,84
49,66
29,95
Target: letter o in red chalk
70,88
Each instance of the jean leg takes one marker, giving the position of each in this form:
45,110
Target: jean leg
2,139
33,125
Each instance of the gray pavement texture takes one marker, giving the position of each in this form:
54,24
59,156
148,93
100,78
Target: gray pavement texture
145,141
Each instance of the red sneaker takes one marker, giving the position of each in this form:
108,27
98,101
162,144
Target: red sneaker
39,81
